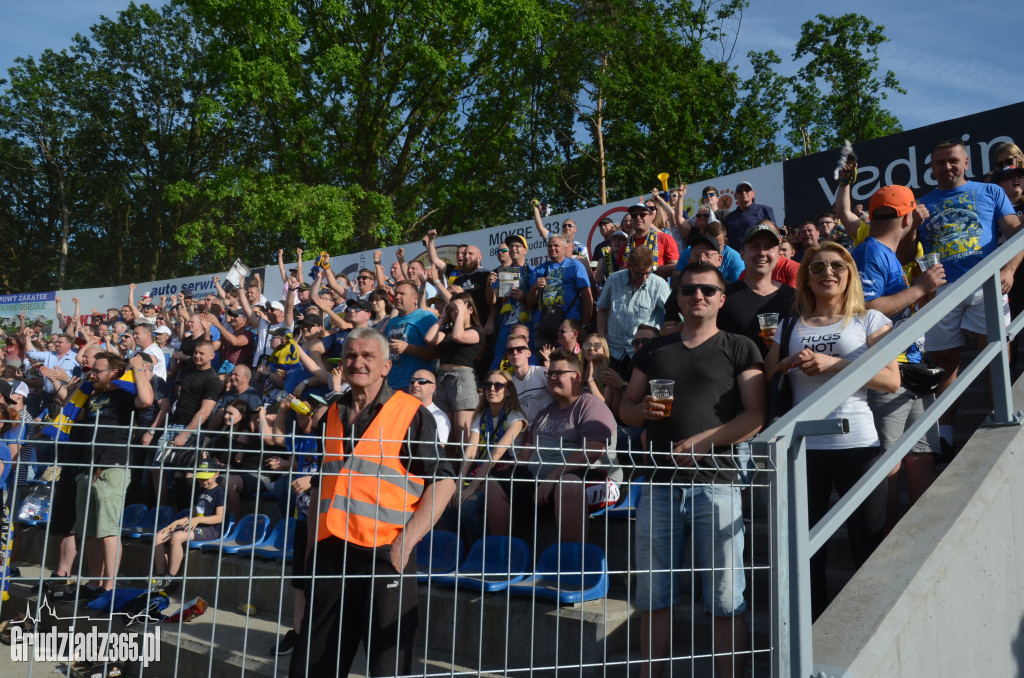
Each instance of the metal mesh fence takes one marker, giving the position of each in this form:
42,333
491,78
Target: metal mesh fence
587,569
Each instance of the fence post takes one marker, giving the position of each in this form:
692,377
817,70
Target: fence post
791,556
999,369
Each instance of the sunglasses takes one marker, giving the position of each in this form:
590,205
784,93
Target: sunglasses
503,250
689,290
818,267
637,343
495,385
419,380
512,350
555,374
710,195
364,277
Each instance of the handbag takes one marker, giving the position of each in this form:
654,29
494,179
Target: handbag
551,317
780,390
921,379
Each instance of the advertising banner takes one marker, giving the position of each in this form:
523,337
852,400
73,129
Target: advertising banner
902,158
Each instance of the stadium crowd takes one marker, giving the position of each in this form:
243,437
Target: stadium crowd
538,390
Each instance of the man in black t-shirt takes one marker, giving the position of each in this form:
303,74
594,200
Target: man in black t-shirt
690,491
756,292
475,280
198,394
103,421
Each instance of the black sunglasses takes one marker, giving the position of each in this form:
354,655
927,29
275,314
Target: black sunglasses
495,385
419,380
637,343
689,290
512,350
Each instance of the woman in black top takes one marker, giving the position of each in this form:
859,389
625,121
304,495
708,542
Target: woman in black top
458,338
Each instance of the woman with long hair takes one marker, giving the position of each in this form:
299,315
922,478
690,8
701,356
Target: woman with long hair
497,422
458,336
1007,154
596,354
834,328
380,303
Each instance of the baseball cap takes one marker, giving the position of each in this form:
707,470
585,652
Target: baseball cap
206,471
742,184
304,286
1008,173
5,392
278,331
187,294
312,320
518,239
754,230
162,329
619,234
278,305
606,220
707,240
237,312
19,388
640,206
899,199
360,304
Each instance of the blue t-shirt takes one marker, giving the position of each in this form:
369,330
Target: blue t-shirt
963,225
5,459
881,276
564,280
412,329
732,263
511,311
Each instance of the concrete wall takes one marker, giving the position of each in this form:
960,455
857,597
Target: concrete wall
943,595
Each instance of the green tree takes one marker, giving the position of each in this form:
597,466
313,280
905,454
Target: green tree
838,93
756,133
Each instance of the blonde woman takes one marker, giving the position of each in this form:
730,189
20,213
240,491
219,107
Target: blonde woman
832,330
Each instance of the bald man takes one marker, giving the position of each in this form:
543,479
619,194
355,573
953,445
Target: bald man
475,280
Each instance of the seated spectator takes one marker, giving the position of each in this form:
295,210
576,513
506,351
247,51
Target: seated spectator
170,543
529,380
236,446
561,471
422,386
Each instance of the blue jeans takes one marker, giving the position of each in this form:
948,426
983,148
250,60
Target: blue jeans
665,517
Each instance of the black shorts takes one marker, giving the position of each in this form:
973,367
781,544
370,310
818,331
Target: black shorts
521,490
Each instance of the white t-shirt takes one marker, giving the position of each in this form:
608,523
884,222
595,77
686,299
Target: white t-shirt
533,392
159,361
512,418
842,342
444,425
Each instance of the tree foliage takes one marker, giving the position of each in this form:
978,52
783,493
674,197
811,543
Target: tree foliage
171,141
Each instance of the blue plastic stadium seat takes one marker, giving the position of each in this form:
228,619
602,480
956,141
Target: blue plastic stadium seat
493,563
155,520
226,527
569,572
439,552
251,529
132,517
277,545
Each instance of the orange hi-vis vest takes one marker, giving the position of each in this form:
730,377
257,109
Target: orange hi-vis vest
368,497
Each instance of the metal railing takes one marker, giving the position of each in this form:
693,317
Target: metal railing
786,442
462,631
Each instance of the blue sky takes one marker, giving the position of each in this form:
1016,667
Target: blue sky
945,75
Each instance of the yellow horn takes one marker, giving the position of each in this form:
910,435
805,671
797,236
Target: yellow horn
664,181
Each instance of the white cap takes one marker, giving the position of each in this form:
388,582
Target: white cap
19,388
278,305
162,329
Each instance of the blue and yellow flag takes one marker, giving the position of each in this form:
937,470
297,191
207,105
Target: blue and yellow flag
60,428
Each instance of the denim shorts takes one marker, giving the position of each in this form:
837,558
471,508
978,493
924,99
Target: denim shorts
665,518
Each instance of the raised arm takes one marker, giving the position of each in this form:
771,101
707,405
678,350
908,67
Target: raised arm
538,221
436,261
